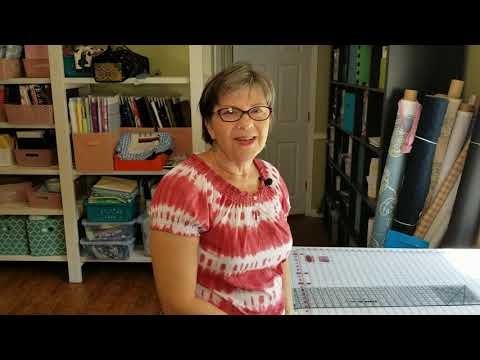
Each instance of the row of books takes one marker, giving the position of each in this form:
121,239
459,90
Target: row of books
34,94
363,65
108,113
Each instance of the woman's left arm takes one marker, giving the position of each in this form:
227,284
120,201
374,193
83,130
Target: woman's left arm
287,288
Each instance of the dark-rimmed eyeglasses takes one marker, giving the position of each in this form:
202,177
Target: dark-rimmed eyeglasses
232,114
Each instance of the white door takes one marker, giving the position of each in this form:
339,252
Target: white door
290,69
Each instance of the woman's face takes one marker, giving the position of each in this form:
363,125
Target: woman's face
243,140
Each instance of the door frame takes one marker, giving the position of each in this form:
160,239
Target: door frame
223,56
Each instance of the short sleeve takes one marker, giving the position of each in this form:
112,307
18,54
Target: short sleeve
179,207
285,196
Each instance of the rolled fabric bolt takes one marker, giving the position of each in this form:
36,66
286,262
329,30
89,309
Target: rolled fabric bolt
419,166
464,223
456,142
454,102
439,225
445,189
403,134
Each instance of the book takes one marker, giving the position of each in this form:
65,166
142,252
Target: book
383,68
336,64
364,54
349,112
116,184
157,117
352,64
186,112
114,121
78,111
94,113
72,111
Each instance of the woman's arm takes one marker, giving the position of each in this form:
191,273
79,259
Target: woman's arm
174,261
287,288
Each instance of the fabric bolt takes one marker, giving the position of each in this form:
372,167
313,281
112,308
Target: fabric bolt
455,144
404,130
464,223
442,195
419,165
442,144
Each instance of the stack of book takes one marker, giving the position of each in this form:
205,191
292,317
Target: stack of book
114,190
94,114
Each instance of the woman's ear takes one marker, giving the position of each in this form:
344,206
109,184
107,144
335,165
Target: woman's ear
210,130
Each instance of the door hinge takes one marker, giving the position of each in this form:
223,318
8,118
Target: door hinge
308,116
306,185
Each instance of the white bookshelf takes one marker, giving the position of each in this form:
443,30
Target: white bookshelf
25,81
199,70
26,170
120,173
154,80
7,125
32,258
24,209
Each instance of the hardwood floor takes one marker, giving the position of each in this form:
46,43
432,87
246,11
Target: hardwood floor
113,289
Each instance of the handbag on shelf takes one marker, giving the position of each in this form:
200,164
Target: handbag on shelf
119,64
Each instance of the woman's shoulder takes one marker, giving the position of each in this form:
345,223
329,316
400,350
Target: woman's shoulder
269,169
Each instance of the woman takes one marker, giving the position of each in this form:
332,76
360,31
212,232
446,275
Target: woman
220,237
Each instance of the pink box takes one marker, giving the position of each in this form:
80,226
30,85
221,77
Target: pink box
36,51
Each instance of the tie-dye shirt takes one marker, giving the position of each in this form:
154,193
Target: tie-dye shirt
243,237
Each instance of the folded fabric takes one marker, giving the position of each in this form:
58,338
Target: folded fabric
141,146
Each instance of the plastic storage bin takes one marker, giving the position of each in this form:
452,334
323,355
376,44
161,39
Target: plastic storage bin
29,114
36,68
107,231
108,250
10,68
100,212
46,236
13,235
144,221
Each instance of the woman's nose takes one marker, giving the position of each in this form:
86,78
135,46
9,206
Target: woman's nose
245,122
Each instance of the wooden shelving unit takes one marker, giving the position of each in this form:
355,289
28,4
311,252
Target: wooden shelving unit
26,170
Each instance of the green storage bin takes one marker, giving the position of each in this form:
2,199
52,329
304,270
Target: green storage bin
101,212
13,235
46,236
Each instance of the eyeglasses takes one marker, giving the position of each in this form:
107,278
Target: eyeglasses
232,114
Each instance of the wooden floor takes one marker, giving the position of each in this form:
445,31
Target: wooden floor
113,289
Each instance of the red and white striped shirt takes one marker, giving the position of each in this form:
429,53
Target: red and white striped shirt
244,237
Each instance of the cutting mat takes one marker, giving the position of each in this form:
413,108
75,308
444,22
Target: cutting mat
385,281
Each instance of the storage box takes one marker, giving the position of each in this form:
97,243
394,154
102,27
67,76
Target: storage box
182,138
101,212
156,164
108,231
13,235
36,51
6,157
36,68
44,200
94,151
36,158
10,68
29,114
46,237
144,221
108,250
15,192
71,71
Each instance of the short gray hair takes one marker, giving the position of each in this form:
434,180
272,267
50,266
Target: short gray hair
234,77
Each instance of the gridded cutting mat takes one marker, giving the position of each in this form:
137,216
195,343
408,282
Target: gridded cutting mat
367,278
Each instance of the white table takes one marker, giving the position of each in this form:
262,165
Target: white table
329,280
